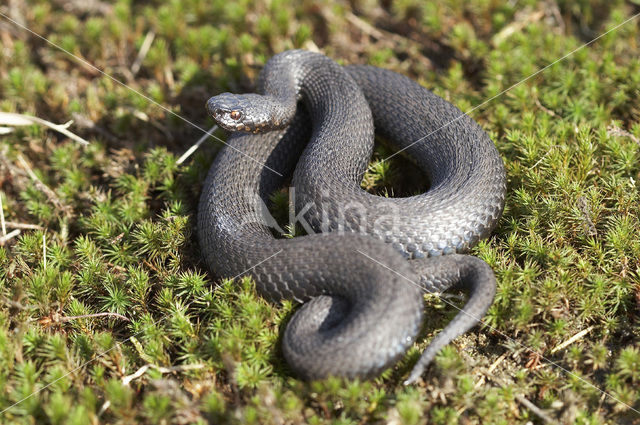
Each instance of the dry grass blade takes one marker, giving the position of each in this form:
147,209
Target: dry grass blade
196,145
17,120
3,224
9,236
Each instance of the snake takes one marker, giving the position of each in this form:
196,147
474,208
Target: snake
363,267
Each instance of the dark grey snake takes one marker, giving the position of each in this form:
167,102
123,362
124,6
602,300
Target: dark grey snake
363,299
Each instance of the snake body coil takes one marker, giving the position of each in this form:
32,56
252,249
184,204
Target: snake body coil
363,299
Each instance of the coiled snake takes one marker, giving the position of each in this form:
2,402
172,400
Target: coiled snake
362,269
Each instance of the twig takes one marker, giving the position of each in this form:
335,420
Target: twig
144,49
572,339
9,236
193,148
516,26
168,76
497,362
310,45
104,407
82,121
555,11
138,373
519,397
617,131
84,6
2,223
44,251
87,316
15,304
364,26
544,156
493,367
535,409
55,319
144,117
386,37
23,226
540,160
544,108
9,118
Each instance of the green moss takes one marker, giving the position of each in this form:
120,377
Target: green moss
565,253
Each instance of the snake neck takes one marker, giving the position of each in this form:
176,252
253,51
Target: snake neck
339,112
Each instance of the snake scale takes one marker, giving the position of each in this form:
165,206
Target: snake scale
366,261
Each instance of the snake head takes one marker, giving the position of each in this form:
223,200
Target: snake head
251,113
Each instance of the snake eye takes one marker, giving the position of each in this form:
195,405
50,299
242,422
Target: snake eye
235,115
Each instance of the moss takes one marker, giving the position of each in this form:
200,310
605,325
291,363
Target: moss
565,252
